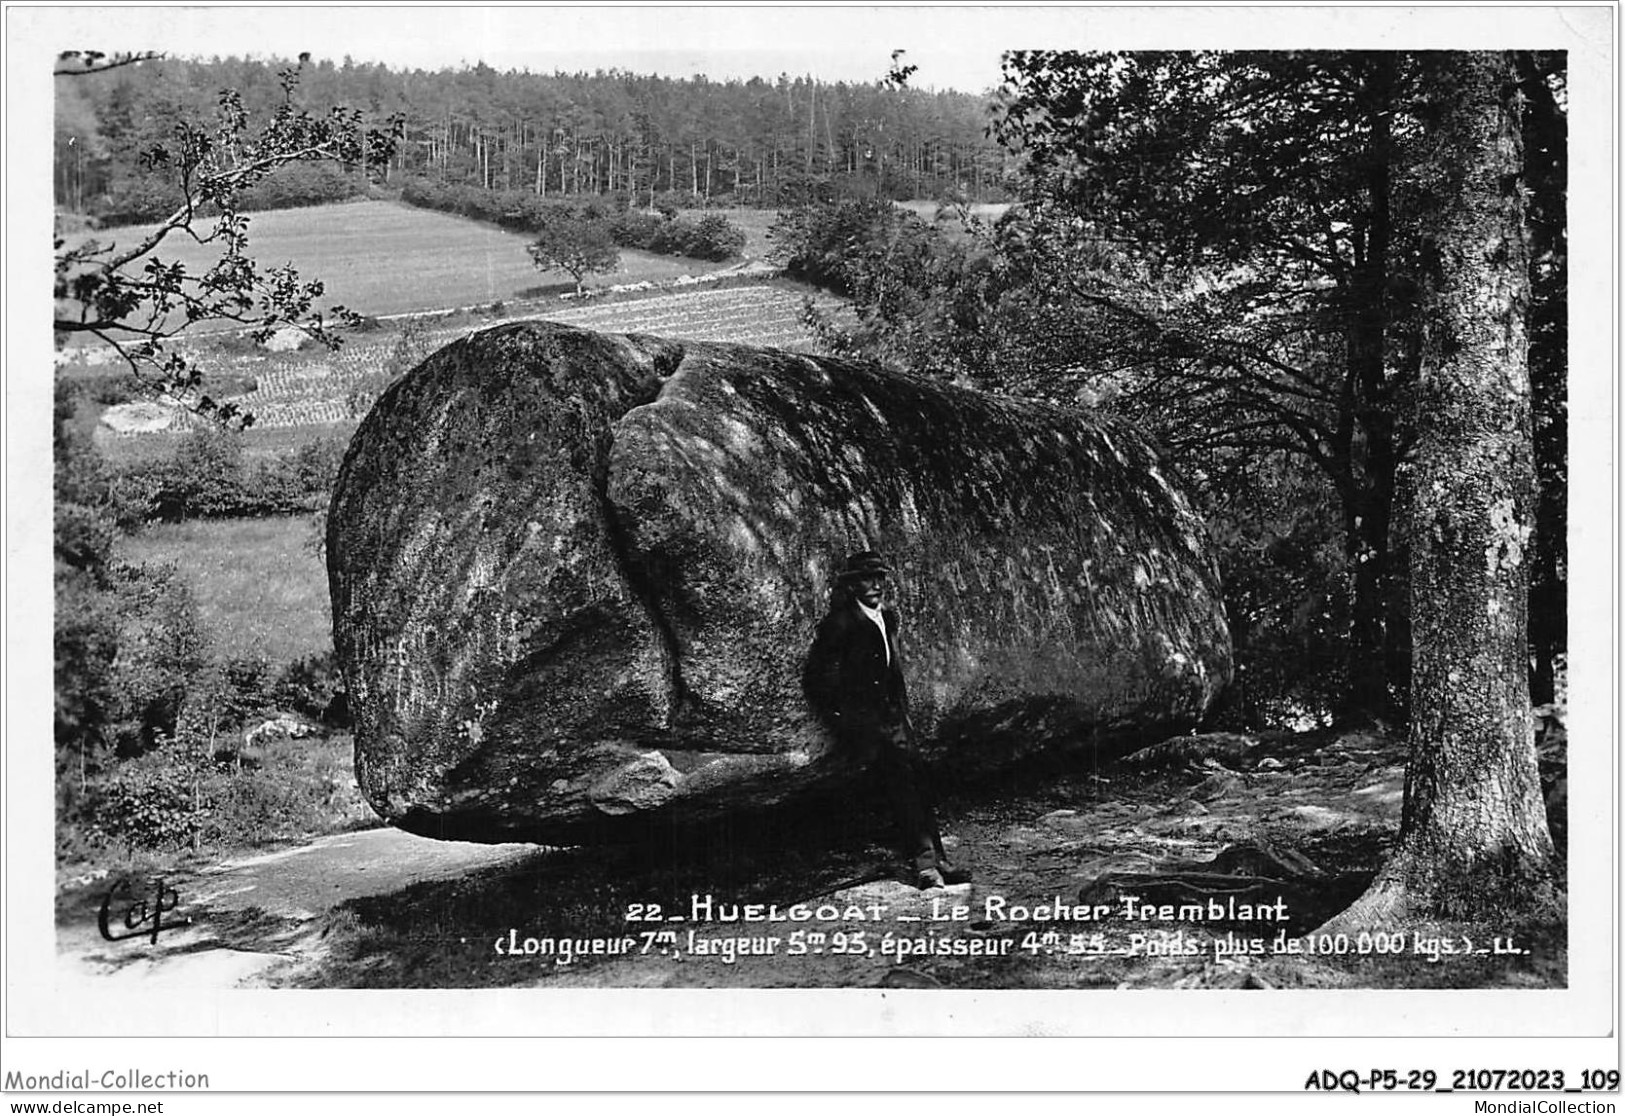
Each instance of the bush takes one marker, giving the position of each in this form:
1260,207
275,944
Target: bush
83,538
635,229
138,201
180,797
243,692
228,698
309,687
86,642
207,478
110,389
296,788
153,803
713,237
132,495
294,482
78,476
206,475
716,238
162,647
228,343
126,638
825,244
125,653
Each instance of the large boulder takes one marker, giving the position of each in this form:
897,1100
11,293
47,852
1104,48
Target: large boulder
575,575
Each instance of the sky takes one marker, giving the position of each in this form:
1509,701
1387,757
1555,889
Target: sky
955,46
952,47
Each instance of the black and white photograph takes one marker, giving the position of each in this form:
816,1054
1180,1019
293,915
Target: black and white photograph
926,520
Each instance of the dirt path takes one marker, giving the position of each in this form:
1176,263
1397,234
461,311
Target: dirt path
251,914
1084,879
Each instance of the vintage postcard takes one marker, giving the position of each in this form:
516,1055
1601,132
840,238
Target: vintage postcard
916,522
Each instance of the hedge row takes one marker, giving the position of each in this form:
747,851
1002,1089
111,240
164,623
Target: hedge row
712,237
208,478
138,201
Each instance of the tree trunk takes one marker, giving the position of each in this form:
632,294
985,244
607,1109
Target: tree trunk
1367,517
812,128
1368,507
1545,150
1473,843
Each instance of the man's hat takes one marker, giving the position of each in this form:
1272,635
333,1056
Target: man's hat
865,563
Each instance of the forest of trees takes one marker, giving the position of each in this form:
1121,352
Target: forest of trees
1333,284
1228,248
759,142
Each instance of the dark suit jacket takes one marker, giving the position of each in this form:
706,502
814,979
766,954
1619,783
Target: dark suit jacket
846,677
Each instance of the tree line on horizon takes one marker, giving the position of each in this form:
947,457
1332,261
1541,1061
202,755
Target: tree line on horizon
761,141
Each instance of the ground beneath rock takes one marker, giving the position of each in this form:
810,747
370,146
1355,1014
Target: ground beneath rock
1202,870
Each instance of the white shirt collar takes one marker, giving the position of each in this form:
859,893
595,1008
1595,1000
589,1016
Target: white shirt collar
880,622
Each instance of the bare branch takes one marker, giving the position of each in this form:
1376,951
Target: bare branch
76,63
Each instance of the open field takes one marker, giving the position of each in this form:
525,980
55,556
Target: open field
260,588
312,390
258,442
379,257
390,260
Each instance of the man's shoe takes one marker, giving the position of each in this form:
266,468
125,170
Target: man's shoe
930,878
953,875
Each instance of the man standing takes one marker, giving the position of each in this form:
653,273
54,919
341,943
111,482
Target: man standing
853,679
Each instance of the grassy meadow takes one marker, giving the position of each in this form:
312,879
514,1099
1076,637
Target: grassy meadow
383,257
261,589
